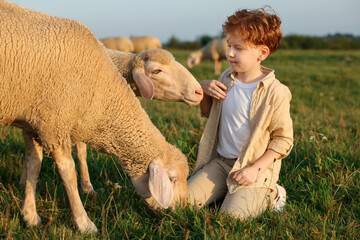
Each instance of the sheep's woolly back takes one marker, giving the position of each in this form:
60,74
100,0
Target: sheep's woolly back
123,44
142,43
58,81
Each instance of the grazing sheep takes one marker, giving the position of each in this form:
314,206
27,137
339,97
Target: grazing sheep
123,44
171,80
142,43
59,85
215,51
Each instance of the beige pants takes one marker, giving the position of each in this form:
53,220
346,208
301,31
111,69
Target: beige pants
208,185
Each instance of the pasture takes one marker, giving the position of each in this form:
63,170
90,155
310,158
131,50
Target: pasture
321,175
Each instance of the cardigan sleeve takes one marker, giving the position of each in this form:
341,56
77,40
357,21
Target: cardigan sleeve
281,126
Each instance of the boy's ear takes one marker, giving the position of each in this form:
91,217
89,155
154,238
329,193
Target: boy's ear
264,52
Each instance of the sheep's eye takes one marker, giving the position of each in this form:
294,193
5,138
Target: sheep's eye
156,71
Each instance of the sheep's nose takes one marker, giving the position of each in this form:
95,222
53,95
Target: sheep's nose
199,94
194,95
189,63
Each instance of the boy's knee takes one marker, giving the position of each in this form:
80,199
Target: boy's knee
236,213
242,213
193,198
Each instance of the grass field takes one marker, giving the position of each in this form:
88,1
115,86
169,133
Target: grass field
321,175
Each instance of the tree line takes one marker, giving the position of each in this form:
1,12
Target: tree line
331,41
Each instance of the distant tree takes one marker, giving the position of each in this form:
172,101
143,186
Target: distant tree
190,45
335,41
173,42
343,41
222,35
340,35
205,39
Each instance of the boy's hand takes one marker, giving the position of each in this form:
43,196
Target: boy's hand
246,176
214,89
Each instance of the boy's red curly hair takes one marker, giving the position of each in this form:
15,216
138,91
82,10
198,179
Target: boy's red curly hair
257,27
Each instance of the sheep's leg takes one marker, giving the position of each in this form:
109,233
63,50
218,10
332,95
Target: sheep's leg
66,167
32,149
23,175
86,185
217,67
33,158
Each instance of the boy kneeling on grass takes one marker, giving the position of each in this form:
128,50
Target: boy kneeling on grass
249,129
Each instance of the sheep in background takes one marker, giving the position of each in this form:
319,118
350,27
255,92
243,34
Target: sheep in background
123,44
215,51
142,43
59,85
171,82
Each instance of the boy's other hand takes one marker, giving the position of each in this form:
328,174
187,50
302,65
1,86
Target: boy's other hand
214,89
246,176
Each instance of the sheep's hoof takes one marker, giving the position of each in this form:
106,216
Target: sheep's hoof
89,190
93,194
88,228
22,181
32,220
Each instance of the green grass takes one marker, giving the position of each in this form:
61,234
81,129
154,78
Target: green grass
321,175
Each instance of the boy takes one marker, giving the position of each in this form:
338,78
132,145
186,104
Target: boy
249,129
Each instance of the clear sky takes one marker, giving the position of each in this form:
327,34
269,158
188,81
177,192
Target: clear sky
190,19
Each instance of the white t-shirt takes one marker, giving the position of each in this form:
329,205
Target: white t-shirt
234,130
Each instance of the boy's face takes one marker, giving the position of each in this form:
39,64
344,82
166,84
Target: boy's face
242,56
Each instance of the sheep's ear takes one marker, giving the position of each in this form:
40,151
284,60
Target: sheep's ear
144,83
160,185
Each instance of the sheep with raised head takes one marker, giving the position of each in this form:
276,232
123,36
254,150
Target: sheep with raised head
142,43
59,85
123,44
171,82
215,51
